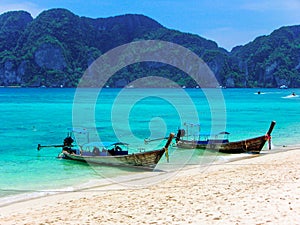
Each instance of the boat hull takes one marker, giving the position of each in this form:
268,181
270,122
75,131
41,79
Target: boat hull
141,159
253,145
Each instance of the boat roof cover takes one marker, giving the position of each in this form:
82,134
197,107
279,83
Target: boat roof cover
224,132
103,144
209,134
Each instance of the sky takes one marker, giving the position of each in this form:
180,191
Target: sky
228,22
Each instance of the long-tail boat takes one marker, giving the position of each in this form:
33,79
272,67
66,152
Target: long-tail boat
111,153
251,145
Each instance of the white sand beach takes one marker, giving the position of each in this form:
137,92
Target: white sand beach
259,190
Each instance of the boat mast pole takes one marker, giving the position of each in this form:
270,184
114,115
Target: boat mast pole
187,131
198,138
269,133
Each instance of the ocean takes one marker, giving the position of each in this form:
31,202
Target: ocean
42,115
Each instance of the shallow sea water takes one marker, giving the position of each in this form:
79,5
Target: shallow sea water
42,115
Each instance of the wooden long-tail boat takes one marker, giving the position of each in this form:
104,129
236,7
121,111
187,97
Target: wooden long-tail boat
252,145
111,154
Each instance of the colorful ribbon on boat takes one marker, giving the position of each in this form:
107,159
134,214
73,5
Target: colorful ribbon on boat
167,154
267,137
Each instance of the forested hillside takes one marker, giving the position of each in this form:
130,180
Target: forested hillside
55,48
273,59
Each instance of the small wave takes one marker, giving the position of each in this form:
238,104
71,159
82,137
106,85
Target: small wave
291,96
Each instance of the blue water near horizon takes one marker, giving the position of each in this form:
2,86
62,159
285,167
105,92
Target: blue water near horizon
30,116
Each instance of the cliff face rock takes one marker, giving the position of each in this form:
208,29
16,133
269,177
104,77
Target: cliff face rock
8,74
230,82
11,74
50,56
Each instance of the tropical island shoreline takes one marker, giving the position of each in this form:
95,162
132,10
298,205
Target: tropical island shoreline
263,189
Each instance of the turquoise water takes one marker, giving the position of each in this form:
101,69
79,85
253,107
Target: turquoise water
33,116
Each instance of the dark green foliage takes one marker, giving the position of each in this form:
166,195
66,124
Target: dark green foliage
12,25
272,60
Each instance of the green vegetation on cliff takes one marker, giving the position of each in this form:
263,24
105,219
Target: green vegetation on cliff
56,48
272,60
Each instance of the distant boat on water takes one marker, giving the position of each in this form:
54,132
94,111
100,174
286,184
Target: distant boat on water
283,86
293,95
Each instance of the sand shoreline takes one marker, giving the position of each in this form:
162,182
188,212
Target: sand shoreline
107,181
256,190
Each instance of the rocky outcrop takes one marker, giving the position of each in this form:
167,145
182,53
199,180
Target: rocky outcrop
12,74
50,56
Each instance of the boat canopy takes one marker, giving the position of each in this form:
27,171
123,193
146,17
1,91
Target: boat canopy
209,134
223,132
103,144
120,143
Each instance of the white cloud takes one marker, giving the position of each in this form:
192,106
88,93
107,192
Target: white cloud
32,8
